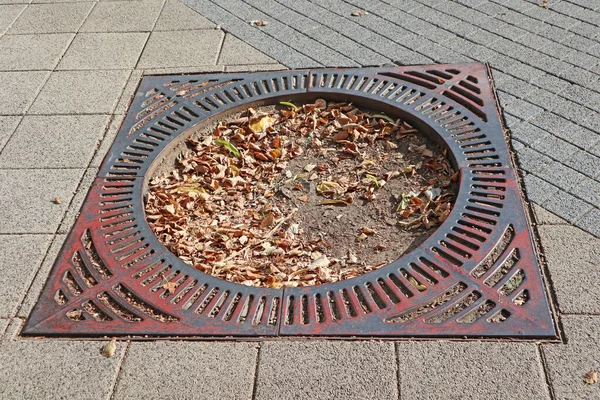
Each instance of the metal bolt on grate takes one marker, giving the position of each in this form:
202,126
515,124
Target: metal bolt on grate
478,273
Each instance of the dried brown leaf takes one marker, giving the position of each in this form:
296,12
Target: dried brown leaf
591,377
108,350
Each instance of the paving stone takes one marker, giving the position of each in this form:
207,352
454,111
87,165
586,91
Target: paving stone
538,190
202,369
516,87
104,51
20,258
7,128
555,147
176,16
80,92
533,161
551,83
452,370
234,51
123,16
28,207
41,275
59,141
589,190
8,14
528,133
567,206
181,49
566,130
55,369
568,363
585,163
326,370
258,39
590,222
32,52
51,18
18,90
545,217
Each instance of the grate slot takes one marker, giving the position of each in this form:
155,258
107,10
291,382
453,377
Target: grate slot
416,312
494,255
334,309
401,286
454,309
388,291
477,313
434,267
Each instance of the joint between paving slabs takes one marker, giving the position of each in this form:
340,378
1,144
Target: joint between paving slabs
545,371
256,370
398,378
113,390
162,7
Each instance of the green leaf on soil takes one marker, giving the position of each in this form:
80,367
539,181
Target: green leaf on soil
384,117
289,104
229,146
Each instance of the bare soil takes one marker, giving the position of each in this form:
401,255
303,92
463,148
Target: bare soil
297,196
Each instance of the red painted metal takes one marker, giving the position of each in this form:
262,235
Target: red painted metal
108,279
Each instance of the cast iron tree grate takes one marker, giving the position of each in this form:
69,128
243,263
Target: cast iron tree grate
478,273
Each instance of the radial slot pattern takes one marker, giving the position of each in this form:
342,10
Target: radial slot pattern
476,276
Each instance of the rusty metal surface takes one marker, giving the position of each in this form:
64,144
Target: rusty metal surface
109,276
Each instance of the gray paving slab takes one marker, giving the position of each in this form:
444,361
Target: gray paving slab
187,370
57,141
18,90
28,204
8,14
32,52
75,206
8,125
80,92
234,51
3,325
107,50
177,16
326,370
128,92
182,49
572,256
20,258
41,275
123,16
567,364
51,18
55,369
451,370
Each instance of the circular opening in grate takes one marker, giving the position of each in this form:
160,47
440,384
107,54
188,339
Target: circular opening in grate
301,193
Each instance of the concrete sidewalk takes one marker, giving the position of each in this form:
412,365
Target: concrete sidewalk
67,73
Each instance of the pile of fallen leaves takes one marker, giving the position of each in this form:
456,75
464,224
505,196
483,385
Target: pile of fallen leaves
230,207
